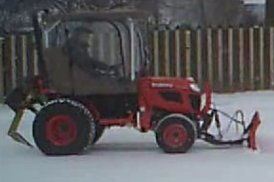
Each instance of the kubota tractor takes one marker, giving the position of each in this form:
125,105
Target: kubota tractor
84,86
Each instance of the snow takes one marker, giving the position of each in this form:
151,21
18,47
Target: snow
254,1
127,155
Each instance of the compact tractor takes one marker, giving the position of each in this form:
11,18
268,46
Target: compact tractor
85,86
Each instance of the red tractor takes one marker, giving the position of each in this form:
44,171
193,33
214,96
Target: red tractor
81,93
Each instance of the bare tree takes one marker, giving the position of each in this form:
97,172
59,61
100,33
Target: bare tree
15,14
223,12
193,13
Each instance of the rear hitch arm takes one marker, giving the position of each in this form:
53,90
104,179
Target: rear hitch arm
14,127
27,103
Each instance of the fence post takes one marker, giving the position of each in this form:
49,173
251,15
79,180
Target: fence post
230,57
178,52
241,57
209,55
188,52
251,56
1,71
220,59
156,52
167,52
271,57
262,57
199,55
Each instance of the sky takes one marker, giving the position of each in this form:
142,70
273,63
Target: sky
254,1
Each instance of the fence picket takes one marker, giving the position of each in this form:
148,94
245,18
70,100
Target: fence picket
34,57
209,55
199,56
178,52
13,60
156,52
262,56
24,55
220,59
241,57
188,52
167,52
230,58
251,57
1,71
271,47
10,64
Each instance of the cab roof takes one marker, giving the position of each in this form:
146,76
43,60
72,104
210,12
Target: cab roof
110,15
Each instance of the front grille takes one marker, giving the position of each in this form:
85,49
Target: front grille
171,96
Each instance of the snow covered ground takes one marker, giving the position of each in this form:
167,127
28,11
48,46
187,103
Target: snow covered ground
255,1
126,155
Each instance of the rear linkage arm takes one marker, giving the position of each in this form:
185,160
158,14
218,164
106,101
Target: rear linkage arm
19,101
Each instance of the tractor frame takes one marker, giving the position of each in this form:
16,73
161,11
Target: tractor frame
73,118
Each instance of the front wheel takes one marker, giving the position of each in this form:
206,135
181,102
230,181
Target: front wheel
99,130
63,127
176,134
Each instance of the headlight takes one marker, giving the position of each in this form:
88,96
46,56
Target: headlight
191,79
194,87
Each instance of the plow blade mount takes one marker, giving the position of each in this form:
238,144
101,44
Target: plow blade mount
251,131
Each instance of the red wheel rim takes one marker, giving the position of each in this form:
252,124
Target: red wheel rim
61,130
175,135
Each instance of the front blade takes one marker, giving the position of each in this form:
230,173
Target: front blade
251,131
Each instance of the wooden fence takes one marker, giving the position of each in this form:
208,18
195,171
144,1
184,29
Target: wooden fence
232,59
18,60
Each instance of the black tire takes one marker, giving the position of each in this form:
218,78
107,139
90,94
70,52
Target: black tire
99,130
176,134
75,133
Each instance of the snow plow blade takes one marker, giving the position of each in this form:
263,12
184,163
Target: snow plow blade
248,135
251,131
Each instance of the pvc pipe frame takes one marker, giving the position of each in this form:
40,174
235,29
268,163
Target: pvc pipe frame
132,50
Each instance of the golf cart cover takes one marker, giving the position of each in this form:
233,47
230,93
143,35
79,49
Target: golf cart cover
84,58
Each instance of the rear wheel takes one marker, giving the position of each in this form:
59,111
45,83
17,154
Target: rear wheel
176,134
63,127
